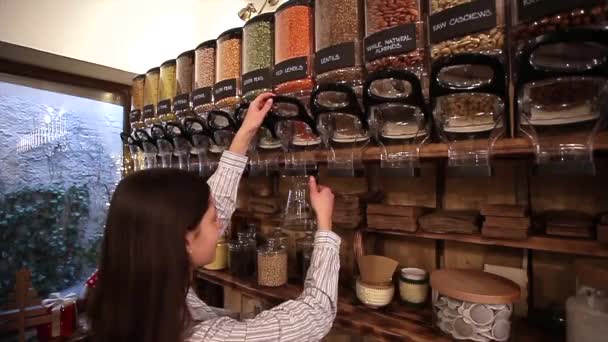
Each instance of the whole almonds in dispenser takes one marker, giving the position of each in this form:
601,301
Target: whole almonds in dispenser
394,35
466,26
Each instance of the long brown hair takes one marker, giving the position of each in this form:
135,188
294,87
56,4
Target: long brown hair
144,270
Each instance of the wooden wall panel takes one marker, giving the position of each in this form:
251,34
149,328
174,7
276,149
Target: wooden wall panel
409,252
584,193
553,279
465,255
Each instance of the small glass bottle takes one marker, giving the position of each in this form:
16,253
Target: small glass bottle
304,248
242,256
277,233
220,261
252,233
272,264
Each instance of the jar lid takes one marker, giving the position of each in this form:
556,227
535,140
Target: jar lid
237,31
592,273
260,17
475,286
189,53
291,3
153,70
139,77
207,44
167,63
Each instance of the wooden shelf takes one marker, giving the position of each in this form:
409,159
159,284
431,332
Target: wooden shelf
393,323
538,242
503,147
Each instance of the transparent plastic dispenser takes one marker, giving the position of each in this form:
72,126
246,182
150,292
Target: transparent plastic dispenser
260,164
560,103
398,120
181,144
200,140
223,128
343,126
148,145
295,129
468,94
135,150
164,144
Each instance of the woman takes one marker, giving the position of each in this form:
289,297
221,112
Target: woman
162,224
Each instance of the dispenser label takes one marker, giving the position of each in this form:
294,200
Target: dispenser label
164,107
393,41
257,79
463,19
291,70
201,96
135,115
335,57
534,9
224,89
181,102
148,112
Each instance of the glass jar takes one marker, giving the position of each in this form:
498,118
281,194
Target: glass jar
220,261
414,286
294,47
258,54
473,305
297,214
304,248
204,76
227,88
449,35
394,37
166,90
374,296
150,95
339,30
272,264
242,256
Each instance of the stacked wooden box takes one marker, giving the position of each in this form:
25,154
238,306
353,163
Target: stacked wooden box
602,229
394,217
450,222
569,224
503,221
349,211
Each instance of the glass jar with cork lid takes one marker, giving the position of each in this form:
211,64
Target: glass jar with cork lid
272,264
227,87
258,56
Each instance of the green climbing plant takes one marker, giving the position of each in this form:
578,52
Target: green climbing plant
43,229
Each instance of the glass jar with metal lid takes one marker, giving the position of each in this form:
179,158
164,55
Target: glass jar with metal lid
204,76
272,264
258,53
150,95
227,88
294,47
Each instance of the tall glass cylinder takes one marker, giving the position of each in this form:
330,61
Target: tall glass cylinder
258,53
227,88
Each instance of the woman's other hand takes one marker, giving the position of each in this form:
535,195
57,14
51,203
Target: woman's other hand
322,201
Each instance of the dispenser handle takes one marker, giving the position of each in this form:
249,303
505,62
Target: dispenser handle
351,108
302,116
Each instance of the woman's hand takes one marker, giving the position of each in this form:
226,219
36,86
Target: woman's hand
322,201
252,122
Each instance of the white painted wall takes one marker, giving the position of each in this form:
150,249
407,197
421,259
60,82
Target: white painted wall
131,35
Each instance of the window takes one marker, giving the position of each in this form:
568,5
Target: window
61,159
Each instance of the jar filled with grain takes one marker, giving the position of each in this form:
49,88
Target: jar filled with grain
184,80
394,36
150,95
294,47
454,30
272,264
339,30
227,87
204,76
137,101
258,56
167,90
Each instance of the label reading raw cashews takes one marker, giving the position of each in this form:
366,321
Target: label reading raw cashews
463,19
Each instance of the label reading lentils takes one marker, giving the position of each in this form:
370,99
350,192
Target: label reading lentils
335,57
134,115
201,96
148,112
164,107
534,9
181,102
393,41
224,89
290,70
463,19
257,79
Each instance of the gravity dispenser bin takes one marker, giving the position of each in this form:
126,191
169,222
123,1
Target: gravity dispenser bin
148,145
265,140
200,137
181,143
164,144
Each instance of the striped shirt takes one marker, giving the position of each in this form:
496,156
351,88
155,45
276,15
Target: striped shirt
307,318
